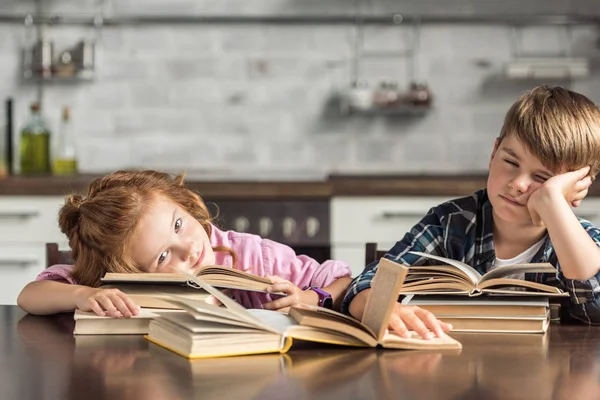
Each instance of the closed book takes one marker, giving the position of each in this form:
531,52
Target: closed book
499,324
481,306
89,323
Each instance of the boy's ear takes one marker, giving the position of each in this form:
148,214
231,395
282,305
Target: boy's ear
496,144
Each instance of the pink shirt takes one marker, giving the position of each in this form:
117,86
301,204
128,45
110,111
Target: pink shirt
255,255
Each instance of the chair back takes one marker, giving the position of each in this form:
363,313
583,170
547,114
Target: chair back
56,256
372,254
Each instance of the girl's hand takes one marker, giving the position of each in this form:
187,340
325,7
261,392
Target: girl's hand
424,323
107,302
295,295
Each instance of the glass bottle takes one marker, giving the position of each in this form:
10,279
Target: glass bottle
65,160
35,144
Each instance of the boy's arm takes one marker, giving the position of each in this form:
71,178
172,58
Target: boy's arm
421,238
578,254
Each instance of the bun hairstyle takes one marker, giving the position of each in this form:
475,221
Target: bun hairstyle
68,219
100,226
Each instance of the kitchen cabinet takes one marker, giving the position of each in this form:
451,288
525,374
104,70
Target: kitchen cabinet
384,220
27,223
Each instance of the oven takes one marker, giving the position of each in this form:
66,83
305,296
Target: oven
302,224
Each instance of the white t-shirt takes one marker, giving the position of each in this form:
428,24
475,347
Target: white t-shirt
522,258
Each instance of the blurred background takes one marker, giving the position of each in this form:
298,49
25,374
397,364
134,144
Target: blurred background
288,88
321,124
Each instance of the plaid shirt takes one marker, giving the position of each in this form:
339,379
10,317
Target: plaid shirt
461,229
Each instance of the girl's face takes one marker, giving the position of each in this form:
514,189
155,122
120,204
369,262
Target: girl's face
168,238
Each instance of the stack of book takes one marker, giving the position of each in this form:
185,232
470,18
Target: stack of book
493,302
152,292
205,330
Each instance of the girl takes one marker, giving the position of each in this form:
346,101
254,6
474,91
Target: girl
148,221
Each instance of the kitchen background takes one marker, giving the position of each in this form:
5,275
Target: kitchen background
258,100
280,91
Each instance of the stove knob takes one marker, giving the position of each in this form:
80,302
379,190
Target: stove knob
241,224
312,227
289,226
265,225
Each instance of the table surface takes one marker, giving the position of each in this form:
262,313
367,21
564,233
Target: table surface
41,359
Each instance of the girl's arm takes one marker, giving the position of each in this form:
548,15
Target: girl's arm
291,272
51,297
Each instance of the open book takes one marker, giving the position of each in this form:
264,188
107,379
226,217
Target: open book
206,330
216,275
457,277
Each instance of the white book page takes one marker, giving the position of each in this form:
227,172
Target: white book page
229,303
275,319
466,268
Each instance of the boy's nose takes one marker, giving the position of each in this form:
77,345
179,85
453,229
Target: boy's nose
520,183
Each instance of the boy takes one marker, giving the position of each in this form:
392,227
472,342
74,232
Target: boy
543,162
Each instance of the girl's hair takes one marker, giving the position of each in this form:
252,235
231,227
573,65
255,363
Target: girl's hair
101,225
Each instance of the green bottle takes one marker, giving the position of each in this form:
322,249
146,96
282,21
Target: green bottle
35,144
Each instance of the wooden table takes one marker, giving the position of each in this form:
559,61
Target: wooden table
41,359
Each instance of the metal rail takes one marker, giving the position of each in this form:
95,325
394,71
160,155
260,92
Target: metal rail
391,19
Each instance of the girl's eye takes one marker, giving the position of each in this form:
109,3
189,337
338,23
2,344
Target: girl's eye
540,179
162,257
178,224
514,164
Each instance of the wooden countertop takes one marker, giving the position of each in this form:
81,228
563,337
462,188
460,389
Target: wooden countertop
40,358
335,185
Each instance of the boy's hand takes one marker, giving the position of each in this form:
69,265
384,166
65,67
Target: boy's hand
107,302
295,295
413,318
572,186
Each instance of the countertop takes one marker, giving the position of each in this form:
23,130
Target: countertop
40,358
333,185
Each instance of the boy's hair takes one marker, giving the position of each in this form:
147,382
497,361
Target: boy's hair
558,126
101,225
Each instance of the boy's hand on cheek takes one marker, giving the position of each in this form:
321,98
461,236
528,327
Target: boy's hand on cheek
572,186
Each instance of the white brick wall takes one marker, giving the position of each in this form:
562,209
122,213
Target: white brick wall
252,98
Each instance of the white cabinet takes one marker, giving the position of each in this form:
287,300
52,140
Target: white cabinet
384,220
27,223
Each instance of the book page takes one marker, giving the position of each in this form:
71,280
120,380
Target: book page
466,268
504,284
229,303
384,294
506,270
232,272
275,319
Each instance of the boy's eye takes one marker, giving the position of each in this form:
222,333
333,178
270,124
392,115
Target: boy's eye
178,224
540,179
162,257
514,164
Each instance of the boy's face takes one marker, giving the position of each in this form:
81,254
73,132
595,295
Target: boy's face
169,238
514,175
